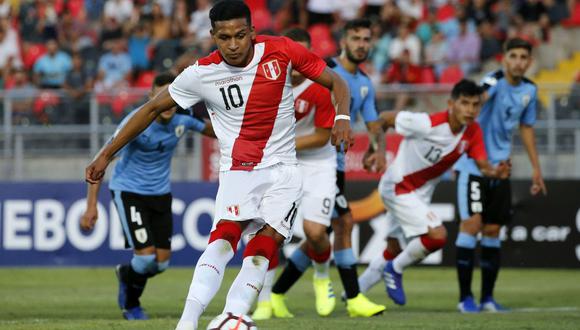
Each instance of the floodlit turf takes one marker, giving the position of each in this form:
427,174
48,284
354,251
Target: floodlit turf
75,298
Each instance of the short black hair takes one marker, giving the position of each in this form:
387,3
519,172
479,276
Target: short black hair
164,78
226,10
298,35
517,43
357,23
466,87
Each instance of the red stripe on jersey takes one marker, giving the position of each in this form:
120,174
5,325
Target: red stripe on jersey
439,118
417,179
213,58
261,111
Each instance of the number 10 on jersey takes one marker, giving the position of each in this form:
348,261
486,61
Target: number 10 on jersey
229,99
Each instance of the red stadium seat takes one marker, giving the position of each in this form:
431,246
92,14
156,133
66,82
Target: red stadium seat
323,44
144,80
427,75
574,19
451,75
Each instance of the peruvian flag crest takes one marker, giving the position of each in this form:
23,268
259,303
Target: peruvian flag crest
271,69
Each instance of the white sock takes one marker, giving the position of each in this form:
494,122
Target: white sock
321,269
267,287
247,285
373,274
207,278
413,253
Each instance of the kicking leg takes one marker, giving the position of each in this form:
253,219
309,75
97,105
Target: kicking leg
209,271
374,272
417,249
318,249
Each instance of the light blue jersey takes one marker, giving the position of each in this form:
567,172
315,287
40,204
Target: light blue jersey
507,107
362,99
145,163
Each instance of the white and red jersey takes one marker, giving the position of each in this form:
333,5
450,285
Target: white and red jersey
429,148
314,109
251,108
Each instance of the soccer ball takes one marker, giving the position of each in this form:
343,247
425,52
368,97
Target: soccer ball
229,321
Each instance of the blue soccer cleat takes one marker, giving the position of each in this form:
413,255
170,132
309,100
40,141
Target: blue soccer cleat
135,314
122,295
468,305
394,284
490,305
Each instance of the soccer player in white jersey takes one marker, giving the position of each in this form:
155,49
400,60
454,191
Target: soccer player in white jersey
314,113
431,145
246,87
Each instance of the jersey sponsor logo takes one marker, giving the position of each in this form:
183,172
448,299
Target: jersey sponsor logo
526,100
271,69
364,91
179,130
233,210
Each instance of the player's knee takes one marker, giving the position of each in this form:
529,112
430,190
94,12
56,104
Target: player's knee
229,231
491,230
316,234
434,240
471,226
145,264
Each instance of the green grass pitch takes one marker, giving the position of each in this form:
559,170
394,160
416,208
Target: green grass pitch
85,298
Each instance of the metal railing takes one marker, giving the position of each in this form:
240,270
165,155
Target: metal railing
37,126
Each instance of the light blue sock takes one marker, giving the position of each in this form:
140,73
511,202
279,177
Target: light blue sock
300,260
344,258
492,242
144,264
466,241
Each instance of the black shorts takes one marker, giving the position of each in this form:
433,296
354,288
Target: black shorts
341,203
490,197
146,220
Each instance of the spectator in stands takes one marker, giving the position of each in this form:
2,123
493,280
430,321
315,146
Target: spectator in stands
9,49
78,84
557,10
406,40
48,18
160,24
464,49
490,45
179,20
139,45
479,11
428,28
28,19
451,28
436,53
94,9
51,69
119,10
21,93
200,25
403,71
411,8
114,68
5,9
390,18
532,10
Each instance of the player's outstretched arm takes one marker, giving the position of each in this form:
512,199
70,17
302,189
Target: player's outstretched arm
529,140
135,125
501,171
91,215
341,132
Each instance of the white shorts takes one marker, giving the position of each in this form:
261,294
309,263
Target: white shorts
319,193
268,195
409,213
